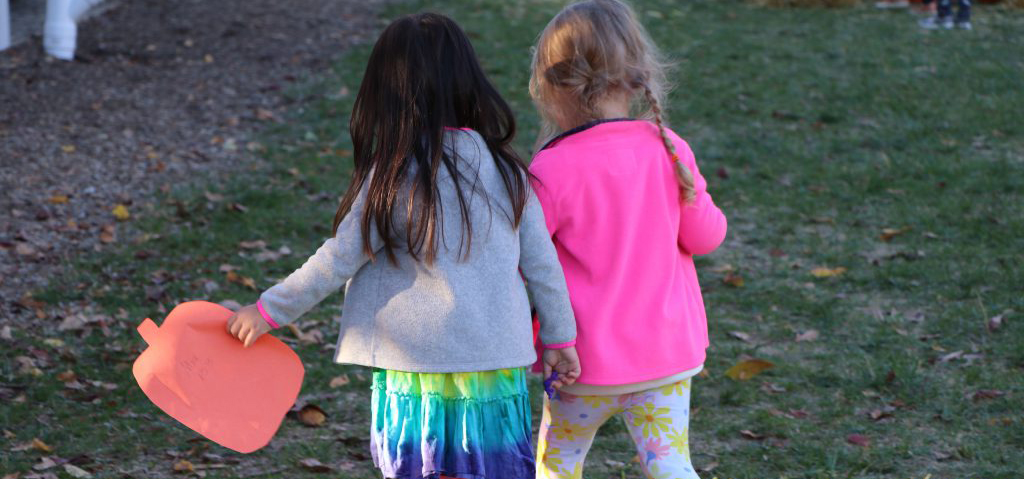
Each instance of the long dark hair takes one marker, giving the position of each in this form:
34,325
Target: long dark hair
423,77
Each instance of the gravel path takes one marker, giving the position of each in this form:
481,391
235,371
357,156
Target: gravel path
161,92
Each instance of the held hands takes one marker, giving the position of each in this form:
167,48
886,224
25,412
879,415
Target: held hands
247,324
566,362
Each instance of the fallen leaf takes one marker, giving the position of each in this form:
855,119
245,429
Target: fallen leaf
797,414
77,321
121,212
740,335
889,233
263,114
723,268
827,272
340,381
748,368
39,445
734,280
723,173
996,322
951,356
58,199
236,278
313,465
213,197
53,342
207,58
238,207
612,463
264,256
311,415
708,467
313,336
257,244
44,464
5,333
13,475
183,466
858,440
67,148
67,376
747,433
76,472
809,335
25,249
224,268
879,414
108,234
772,388
982,394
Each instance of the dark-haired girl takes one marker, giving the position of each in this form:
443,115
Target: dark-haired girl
431,238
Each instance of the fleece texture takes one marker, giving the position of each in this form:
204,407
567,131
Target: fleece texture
626,241
461,313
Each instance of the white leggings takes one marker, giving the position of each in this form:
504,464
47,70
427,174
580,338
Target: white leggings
658,420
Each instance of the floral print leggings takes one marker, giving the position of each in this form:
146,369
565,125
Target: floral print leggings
658,420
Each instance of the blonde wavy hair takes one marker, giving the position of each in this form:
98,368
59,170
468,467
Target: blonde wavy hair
591,49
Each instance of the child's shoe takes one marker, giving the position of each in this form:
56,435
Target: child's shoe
964,25
935,23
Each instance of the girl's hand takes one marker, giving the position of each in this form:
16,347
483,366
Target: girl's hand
566,362
247,324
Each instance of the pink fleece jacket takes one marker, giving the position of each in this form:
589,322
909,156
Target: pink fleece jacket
626,244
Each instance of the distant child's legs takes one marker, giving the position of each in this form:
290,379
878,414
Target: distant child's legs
657,419
963,11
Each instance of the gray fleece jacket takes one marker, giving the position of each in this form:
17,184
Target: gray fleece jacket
459,314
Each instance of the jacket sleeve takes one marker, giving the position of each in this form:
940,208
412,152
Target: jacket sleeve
545,280
333,264
702,225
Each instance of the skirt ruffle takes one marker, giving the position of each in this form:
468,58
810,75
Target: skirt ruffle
463,425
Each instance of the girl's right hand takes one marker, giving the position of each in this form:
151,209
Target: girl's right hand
247,325
566,362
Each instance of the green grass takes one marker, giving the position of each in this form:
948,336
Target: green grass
830,124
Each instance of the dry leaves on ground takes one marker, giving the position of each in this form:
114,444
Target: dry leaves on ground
809,335
311,415
858,440
313,465
824,272
996,322
340,381
748,368
734,280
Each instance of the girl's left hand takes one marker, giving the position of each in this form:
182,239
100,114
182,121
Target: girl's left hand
566,362
247,324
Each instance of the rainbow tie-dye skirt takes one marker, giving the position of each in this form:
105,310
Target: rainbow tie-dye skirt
464,425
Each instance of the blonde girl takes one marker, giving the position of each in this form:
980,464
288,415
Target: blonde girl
627,209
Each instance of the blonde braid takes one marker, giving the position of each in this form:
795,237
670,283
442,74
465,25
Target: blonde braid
683,174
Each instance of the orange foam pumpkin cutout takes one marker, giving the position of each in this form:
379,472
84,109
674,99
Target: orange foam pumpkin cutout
199,374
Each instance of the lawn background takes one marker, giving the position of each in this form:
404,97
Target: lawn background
817,129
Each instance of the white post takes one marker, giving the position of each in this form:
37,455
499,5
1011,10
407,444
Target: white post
59,31
5,25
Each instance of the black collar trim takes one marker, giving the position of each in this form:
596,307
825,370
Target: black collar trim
585,126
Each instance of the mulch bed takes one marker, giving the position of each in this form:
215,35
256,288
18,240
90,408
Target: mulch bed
160,93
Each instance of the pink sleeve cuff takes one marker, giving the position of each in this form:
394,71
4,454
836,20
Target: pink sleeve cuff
560,345
266,316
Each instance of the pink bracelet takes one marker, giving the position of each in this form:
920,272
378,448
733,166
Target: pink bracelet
266,316
560,345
